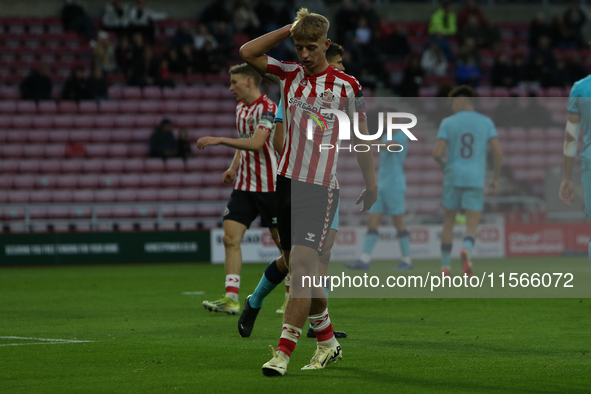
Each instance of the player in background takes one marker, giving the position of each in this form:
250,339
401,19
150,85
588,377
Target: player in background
306,181
578,107
254,302
467,134
253,170
391,201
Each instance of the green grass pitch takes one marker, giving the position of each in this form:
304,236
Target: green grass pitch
146,336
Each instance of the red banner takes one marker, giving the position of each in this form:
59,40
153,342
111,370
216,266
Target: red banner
546,239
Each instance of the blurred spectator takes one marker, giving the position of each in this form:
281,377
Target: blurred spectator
184,144
443,20
104,53
576,19
471,11
202,37
538,28
216,11
360,43
222,34
519,70
188,58
544,51
287,13
75,87
467,71
473,30
266,14
575,68
141,19
124,54
97,86
116,17
502,72
539,71
559,77
443,44
492,35
210,60
433,61
412,77
37,85
143,71
162,141
469,48
175,64
162,75
137,49
397,43
563,35
74,18
367,11
345,19
245,20
444,89
183,35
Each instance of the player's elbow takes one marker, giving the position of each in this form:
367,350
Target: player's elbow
245,53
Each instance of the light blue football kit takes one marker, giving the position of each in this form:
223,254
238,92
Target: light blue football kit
580,103
467,134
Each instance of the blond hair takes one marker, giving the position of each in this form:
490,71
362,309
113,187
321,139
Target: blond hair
309,26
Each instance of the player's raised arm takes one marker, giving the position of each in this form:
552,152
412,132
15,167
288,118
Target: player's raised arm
366,164
567,190
253,52
254,143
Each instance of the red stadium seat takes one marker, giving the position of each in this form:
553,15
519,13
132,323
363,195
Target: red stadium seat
209,194
79,212
33,151
6,182
28,166
113,165
192,180
147,120
71,166
139,150
24,182
122,135
104,196
12,151
115,93
193,93
129,181
96,150
124,121
18,137
171,93
55,150
189,194
151,93
40,196
109,181
171,106
131,93
45,182
168,194
195,164
89,181
174,165
84,122
133,165
129,107
126,195
26,107
104,122
47,107
117,150
151,107
145,211
21,122
122,211
37,213
83,196
62,196
7,107
153,165
150,180
172,180
87,107
146,194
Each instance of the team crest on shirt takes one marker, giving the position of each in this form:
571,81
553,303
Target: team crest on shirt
250,120
226,211
327,97
303,82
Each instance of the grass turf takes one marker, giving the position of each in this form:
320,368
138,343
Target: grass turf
149,337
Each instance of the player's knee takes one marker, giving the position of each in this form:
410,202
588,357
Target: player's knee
230,241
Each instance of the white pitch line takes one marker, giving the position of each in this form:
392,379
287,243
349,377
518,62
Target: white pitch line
47,340
193,293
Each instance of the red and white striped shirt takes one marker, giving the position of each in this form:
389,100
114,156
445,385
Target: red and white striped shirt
303,97
256,171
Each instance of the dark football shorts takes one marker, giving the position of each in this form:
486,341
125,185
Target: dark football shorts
244,207
305,213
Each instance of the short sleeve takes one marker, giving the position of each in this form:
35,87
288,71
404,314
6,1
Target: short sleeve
492,131
267,118
442,133
357,105
275,67
572,107
279,114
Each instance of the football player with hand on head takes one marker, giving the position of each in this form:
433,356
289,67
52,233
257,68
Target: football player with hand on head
307,186
253,173
253,304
